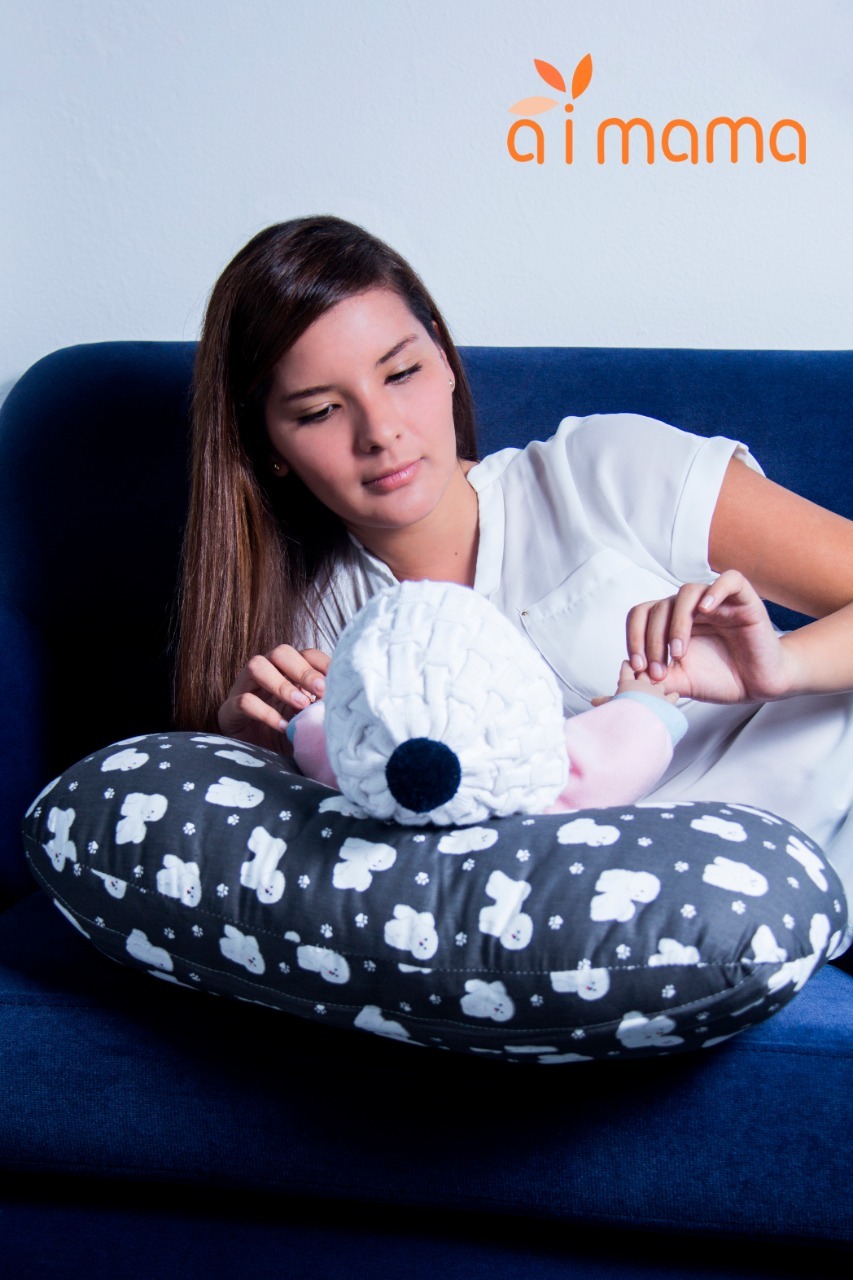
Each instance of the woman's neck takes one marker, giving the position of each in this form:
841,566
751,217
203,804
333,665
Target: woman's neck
440,548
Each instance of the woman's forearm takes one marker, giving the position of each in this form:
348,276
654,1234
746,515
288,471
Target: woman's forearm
820,654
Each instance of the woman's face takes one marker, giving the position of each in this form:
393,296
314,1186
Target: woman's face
361,409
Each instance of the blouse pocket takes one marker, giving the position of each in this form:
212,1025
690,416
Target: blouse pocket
579,627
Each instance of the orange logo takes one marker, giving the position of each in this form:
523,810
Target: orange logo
677,133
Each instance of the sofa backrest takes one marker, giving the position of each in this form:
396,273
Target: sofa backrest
93,494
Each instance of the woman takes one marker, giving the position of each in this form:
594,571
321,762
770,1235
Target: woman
334,452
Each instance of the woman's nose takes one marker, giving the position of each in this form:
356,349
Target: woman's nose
376,428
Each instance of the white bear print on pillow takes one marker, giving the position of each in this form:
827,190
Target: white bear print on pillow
765,947
125,760
179,879
413,931
329,965
619,893
467,840
141,949
636,1031
233,794
808,860
587,831
506,920
241,757
737,877
672,952
371,1019
61,848
137,810
799,971
589,984
115,888
714,826
261,873
242,949
359,860
487,1000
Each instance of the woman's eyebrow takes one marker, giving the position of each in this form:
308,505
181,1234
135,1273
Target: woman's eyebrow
316,391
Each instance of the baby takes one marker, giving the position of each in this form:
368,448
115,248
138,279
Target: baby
437,710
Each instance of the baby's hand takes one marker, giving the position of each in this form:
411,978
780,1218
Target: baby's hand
631,681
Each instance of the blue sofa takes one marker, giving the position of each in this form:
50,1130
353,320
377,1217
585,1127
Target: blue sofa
145,1131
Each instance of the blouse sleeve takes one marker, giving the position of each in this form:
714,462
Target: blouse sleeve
648,486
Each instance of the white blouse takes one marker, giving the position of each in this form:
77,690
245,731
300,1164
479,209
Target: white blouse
613,510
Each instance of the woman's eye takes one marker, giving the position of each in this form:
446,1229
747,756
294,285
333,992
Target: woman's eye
320,416
404,374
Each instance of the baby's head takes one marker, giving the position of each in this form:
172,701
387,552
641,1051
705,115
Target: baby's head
439,711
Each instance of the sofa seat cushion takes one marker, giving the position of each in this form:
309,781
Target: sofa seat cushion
113,1075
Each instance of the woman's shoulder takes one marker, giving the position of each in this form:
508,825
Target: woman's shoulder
597,439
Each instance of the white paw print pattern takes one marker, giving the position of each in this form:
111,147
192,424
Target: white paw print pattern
555,922
222,890
326,930
739,907
523,855
461,939
422,878
360,920
233,819
688,911
304,882
285,817
189,828
576,869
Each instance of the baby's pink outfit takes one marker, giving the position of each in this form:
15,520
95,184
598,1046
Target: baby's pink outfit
617,752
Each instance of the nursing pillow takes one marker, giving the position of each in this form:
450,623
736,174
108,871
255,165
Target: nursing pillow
609,933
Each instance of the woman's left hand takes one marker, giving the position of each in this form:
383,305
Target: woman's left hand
714,643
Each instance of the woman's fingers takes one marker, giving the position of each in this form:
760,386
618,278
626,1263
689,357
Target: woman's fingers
685,604
271,688
647,634
293,678
659,630
300,672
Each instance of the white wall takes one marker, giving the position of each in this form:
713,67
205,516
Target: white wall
143,141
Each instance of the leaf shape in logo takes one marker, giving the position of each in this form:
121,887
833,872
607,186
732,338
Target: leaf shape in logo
550,74
582,76
533,106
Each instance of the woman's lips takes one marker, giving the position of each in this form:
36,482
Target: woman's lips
390,480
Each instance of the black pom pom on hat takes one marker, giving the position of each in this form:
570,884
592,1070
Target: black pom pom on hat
423,774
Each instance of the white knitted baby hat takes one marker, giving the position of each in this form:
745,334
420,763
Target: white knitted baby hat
437,710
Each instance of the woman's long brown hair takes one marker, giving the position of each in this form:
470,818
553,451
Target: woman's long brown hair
259,552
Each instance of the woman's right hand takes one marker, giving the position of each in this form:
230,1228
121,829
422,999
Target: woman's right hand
270,690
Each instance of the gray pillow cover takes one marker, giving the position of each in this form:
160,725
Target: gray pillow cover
621,932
